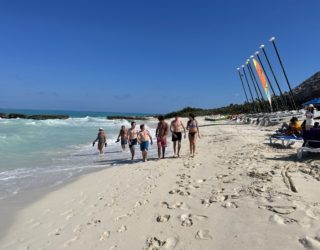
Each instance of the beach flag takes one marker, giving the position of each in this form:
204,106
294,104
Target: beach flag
263,80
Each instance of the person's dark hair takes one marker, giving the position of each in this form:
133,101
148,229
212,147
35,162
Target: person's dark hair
175,114
316,125
294,119
192,115
160,117
141,126
132,123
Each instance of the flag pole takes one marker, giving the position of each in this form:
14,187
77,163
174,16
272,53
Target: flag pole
284,102
272,40
265,73
245,75
255,88
244,90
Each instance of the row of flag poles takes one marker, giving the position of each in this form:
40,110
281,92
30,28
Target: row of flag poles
248,80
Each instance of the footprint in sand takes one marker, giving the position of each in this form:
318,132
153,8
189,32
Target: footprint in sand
138,204
121,229
105,235
193,187
203,235
222,176
214,199
280,209
230,204
184,176
184,193
200,181
174,206
77,229
121,217
313,213
186,220
69,242
94,222
174,191
310,243
153,243
163,218
180,192
279,219
229,181
55,232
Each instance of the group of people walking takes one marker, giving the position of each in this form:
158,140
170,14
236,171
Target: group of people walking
143,137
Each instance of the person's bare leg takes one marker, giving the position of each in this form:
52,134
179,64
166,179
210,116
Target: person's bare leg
159,153
144,155
190,144
163,152
179,147
123,147
100,149
194,148
132,152
175,148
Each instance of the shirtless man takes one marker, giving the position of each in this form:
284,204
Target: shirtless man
143,139
161,134
132,139
123,134
176,128
101,139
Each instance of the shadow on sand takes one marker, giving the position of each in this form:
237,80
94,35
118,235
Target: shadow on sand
307,157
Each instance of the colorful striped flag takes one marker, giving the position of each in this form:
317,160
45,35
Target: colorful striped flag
263,80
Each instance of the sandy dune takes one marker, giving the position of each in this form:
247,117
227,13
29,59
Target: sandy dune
237,193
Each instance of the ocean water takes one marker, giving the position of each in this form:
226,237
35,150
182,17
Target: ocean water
51,152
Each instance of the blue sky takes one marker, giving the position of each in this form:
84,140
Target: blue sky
146,56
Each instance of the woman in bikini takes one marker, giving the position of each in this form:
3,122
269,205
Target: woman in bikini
101,139
193,130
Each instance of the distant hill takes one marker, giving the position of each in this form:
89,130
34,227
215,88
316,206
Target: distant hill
307,90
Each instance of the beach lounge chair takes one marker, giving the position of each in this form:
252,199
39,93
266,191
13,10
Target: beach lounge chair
311,142
287,140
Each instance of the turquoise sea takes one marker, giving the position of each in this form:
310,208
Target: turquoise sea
49,152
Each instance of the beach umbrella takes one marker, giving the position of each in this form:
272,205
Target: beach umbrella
315,101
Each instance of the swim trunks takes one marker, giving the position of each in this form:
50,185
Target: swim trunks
162,142
124,142
178,136
133,142
144,145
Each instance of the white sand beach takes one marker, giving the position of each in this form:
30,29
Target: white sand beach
237,193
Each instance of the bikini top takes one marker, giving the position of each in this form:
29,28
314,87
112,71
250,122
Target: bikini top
192,124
